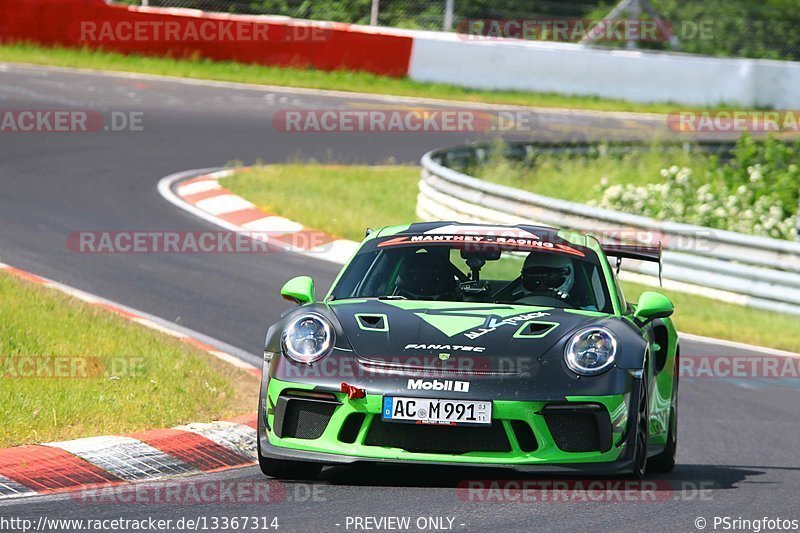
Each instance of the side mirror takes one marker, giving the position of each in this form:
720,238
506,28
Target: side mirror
299,290
653,305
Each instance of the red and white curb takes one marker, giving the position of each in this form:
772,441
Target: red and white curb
149,455
113,460
206,198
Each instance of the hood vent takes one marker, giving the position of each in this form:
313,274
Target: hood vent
534,330
370,322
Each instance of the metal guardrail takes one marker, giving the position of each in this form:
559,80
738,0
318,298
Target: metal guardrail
754,271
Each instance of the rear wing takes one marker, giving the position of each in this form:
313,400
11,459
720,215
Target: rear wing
638,252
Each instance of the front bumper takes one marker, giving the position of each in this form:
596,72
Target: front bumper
582,433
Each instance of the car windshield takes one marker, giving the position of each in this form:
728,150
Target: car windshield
560,276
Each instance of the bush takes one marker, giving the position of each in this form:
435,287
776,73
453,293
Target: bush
755,192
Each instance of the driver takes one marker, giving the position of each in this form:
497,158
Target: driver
548,274
427,275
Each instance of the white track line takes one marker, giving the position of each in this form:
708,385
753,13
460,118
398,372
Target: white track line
274,224
224,203
12,489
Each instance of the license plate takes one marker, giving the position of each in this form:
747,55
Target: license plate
434,411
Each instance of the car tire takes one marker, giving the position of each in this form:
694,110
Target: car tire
284,469
665,461
641,437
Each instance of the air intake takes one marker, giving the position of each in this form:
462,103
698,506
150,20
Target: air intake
535,330
373,322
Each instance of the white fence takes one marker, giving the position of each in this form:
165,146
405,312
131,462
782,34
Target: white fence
637,76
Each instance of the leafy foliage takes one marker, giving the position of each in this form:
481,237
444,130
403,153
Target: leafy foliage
755,192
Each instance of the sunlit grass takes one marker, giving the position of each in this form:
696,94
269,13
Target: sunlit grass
118,376
342,200
577,178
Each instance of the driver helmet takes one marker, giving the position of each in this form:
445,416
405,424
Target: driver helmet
545,272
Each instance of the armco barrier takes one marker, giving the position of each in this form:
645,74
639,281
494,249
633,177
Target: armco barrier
264,40
754,271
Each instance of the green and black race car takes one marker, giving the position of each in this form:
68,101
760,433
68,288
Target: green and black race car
462,344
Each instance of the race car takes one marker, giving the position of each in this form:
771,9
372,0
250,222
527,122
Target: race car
463,344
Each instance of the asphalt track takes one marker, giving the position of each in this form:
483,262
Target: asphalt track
738,438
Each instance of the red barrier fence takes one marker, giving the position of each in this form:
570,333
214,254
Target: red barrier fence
189,33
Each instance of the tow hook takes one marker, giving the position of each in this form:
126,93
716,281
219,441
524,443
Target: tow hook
353,393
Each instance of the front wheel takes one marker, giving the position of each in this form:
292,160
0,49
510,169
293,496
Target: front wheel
284,469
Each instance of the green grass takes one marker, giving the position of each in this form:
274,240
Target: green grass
314,79
360,197
703,316
577,178
119,377
342,200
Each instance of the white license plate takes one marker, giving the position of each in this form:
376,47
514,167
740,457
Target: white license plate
434,411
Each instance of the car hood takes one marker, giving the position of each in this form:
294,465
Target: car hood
434,334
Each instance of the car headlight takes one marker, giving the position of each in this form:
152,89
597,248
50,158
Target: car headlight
591,351
307,338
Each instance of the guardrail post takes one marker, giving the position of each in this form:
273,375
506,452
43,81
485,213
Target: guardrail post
373,14
448,15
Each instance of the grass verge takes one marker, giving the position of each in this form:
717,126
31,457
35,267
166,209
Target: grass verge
342,200
361,197
73,370
307,78
577,178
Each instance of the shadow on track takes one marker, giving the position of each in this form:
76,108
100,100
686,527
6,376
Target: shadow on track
713,476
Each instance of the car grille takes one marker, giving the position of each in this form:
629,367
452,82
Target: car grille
424,438
302,418
579,428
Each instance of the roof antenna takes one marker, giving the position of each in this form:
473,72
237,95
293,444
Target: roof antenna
619,264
